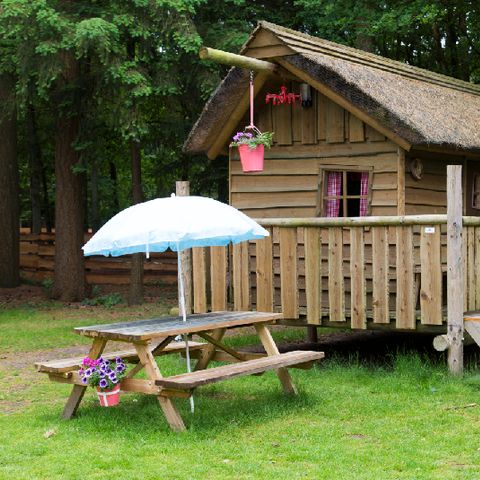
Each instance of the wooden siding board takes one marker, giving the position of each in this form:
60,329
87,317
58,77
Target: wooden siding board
357,273
313,287
288,269
336,293
356,129
199,280
264,274
335,123
218,278
380,284
405,295
431,276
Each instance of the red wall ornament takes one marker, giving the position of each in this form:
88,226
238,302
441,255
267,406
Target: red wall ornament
282,97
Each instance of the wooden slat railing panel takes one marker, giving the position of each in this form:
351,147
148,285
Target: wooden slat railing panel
465,267
477,268
288,272
264,273
469,233
405,302
380,267
218,278
313,279
199,273
241,277
431,276
357,273
336,294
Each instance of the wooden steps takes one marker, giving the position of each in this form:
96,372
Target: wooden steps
187,381
130,355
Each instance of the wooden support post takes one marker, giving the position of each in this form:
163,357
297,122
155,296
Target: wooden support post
232,59
183,189
455,281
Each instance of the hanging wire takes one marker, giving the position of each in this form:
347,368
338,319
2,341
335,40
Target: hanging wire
251,100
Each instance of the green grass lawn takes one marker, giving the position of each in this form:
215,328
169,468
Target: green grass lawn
407,420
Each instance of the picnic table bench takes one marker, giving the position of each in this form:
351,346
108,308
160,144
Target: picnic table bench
154,337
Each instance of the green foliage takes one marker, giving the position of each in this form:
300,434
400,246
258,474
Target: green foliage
108,300
140,77
253,139
47,284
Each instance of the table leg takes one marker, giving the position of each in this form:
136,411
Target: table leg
209,351
271,349
78,391
153,372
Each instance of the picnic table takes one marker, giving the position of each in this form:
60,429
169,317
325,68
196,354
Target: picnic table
155,337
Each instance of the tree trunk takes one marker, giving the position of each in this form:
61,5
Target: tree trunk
69,272
94,209
114,180
9,186
135,296
36,168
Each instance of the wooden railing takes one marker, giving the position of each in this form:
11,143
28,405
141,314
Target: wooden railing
343,271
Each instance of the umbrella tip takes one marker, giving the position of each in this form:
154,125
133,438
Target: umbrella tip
172,194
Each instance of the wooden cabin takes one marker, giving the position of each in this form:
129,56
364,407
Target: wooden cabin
374,144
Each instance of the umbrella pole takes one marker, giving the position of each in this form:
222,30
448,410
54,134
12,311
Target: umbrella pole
184,317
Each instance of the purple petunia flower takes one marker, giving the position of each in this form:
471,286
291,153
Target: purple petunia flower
249,135
103,383
114,380
81,371
84,380
88,372
101,374
120,368
118,360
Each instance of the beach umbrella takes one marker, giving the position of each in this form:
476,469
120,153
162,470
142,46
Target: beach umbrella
175,223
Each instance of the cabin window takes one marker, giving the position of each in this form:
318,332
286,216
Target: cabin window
344,193
476,191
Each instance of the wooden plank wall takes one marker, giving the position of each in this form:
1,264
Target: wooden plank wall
305,140
37,258
429,194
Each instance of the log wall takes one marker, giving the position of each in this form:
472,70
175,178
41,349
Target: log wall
37,256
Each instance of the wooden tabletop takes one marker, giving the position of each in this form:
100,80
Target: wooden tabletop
142,330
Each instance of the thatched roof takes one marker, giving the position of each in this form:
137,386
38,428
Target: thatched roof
419,107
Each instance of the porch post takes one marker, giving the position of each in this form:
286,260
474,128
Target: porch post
183,189
455,283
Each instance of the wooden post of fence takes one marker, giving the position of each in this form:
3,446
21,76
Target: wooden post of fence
455,286
183,189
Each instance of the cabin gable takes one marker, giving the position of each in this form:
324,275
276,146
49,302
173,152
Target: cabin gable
307,142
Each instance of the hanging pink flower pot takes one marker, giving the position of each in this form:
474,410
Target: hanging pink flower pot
110,397
251,158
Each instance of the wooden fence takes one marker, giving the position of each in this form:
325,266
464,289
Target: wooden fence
37,253
351,272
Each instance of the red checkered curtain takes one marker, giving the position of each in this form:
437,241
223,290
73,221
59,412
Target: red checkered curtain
334,188
364,194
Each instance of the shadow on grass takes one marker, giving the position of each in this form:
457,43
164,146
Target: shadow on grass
218,408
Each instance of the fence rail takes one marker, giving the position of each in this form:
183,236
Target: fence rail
343,271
